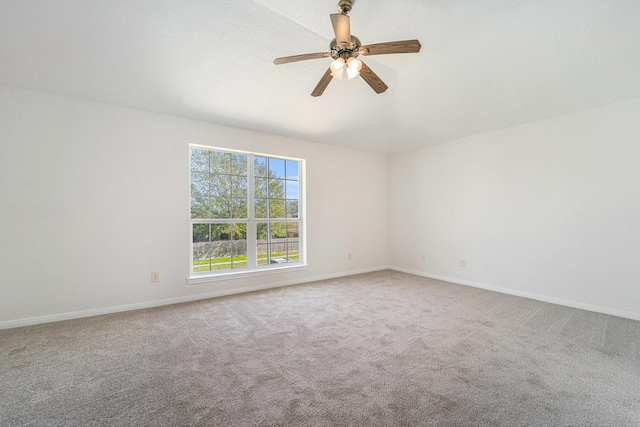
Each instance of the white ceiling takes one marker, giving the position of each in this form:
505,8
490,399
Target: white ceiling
484,64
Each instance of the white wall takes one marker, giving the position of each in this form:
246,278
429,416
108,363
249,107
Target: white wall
94,197
549,209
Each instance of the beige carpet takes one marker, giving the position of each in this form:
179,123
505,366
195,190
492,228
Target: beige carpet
379,349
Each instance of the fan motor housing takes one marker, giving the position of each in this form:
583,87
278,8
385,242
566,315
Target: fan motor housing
340,52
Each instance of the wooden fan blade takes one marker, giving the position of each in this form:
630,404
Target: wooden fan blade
342,28
322,84
372,79
404,46
303,57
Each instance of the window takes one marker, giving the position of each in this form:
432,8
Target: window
245,211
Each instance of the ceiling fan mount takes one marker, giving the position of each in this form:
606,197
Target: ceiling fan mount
345,48
344,6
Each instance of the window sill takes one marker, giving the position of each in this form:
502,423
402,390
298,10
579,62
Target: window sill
195,279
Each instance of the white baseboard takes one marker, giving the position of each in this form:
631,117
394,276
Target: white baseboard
188,298
150,304
537,297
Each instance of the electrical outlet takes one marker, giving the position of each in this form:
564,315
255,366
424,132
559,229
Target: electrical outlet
423,258
349,256
463,262
155,276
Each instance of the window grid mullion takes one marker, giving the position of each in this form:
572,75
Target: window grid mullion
251,224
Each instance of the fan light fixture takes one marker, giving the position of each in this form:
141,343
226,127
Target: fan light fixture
352,66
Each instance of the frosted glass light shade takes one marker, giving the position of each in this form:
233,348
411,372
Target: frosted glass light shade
337,68
353,68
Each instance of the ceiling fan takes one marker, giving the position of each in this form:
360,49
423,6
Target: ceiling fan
345,48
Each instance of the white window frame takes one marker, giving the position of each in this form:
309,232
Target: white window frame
252,269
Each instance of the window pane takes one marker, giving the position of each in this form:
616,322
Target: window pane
293,230
280,243
227,163
239,208
277,243
221,243
200,182
239,246
276,168
199,160
278,230
292,169
239,186
220,185
263,250
261,188
292,208
292,189
271,244
262,247
260,208
293,241
260,166
239,255
200,233
238,164
200,208
276,208
220,232
272,247
220,208
199,195
239,232
262,232
219,162
276,188
201,247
